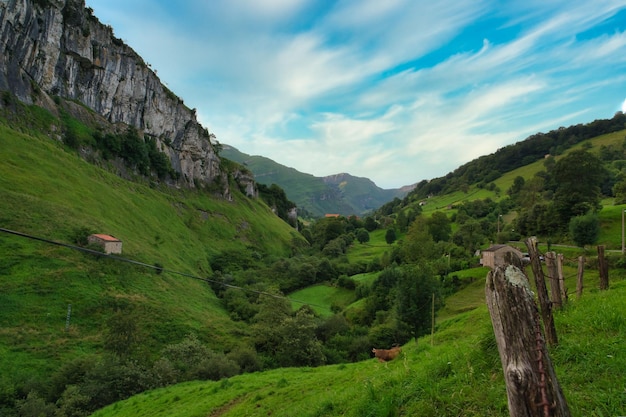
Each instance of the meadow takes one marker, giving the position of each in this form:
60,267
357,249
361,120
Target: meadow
456,372
48,192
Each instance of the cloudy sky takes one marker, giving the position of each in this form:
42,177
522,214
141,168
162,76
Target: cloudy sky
393,90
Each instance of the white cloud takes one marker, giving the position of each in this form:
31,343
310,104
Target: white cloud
396,91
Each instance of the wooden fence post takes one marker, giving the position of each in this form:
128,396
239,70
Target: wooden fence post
579,277
603,269
559,267
553,274
542,292
531,384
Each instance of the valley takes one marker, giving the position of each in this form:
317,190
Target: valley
245,287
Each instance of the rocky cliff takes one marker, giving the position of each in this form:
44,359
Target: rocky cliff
58,48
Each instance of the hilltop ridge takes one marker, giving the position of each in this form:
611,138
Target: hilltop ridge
341,193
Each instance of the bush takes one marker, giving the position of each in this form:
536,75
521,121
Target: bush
112,380
35,406
80,235
584,230
346,282
216,367
246,358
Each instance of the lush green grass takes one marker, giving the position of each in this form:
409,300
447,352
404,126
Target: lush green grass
460,374
366,278
611,225
50,192
471,297
322,298
375,248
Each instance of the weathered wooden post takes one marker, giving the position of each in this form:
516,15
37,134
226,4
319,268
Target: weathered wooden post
531,384
579,277
542,292
603,269
553,274
559,267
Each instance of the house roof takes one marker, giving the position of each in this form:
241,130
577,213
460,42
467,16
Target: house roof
496,248
108,238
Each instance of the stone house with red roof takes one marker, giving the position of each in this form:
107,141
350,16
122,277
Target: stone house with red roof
109,243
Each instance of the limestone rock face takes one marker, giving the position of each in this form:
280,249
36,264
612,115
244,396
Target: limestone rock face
58,48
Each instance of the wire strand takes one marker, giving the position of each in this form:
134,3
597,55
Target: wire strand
158,268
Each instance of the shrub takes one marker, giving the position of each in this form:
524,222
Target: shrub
346,282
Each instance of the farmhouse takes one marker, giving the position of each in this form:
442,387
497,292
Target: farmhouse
494,256
109,243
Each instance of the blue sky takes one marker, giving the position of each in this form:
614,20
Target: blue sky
396,91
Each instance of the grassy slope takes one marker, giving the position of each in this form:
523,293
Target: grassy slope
610,216
49,192
460,374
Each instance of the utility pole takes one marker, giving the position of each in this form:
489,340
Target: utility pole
623,243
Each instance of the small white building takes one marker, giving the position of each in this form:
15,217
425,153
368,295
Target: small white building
494,256
109,243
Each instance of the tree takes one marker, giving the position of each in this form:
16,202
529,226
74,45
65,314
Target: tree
418,244
334,248
275,197
289,339
327,229
469,235
415,288
135,151
73,403
439,227
402,221
584,230
370,224
362,236
577,175
35,406
514,190
299,344
619,191
186,356
382,294
390,236
530,193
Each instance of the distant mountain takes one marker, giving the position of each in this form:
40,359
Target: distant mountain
338,194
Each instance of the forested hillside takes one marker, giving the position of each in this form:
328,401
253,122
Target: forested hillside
557,194
486,169
316,196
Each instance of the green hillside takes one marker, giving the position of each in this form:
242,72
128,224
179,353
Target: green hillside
69,317
49,192
458,374
342,194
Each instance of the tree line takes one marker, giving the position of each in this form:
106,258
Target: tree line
487,168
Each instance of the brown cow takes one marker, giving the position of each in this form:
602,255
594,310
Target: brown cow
385,355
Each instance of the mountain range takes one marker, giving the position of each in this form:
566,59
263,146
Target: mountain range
342,193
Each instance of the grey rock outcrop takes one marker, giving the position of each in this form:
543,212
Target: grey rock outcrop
58,48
